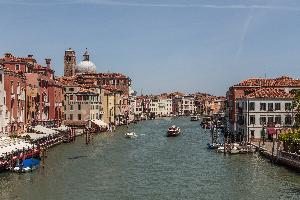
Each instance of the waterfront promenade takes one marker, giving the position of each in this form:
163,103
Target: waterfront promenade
150,166
274,152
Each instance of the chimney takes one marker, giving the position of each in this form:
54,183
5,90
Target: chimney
8,55
48,62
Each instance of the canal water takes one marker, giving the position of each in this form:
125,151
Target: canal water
151,166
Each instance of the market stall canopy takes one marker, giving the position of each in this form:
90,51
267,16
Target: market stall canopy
100,123
62,128
7,145
43,130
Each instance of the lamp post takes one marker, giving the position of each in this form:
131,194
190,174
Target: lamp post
263,133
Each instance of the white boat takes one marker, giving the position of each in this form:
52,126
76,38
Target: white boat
194,118
234,150
131,135
173,131
220,149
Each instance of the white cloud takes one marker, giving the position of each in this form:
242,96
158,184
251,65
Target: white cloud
124,3
243,36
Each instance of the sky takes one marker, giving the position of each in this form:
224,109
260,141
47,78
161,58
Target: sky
162,45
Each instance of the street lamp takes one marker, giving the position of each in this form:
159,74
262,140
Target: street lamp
263,133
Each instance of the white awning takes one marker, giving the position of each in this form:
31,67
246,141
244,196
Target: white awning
100,123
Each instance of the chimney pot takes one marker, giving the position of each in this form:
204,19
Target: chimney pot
48,62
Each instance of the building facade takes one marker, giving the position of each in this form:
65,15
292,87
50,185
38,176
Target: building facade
82,104
250,85
3,117
184,105
266,109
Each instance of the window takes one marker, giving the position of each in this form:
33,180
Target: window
288,119
79,98
252,119
288,106
263,106
0,78
71,89
17,67
251,106
252,133
270,119
270,106
79,107
262,120
71,107
71,116
79,116
278,119
71,97
277,106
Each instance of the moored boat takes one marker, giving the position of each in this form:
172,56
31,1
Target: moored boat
234,150
194,118
173,131
27,165
213,145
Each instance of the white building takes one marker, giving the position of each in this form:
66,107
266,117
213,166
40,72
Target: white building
266,108
3,118
161,107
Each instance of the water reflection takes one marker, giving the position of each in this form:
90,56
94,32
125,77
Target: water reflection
151,166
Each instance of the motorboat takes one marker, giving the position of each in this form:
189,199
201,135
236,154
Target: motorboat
213,145
234,150
194,118
173,131
220,149
131,135
27,165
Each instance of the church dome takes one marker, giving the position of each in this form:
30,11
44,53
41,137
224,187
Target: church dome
85,66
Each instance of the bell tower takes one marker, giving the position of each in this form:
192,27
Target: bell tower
69,62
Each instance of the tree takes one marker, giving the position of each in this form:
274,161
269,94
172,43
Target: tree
296,108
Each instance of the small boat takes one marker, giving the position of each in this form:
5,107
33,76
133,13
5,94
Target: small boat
220,149
131,135
194,118
234,150
173,131
213,145
27,165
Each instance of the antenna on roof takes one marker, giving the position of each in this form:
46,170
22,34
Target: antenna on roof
141,91
265,75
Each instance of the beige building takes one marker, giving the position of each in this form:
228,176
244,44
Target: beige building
108,104
82,104
161,107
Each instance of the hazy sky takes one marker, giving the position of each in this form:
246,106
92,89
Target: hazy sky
163,45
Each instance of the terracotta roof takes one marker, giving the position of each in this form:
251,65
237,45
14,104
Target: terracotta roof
67,80
86,90
283,81
270,93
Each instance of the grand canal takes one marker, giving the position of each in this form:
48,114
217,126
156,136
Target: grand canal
151,166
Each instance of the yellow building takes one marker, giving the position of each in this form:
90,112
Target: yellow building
108,104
